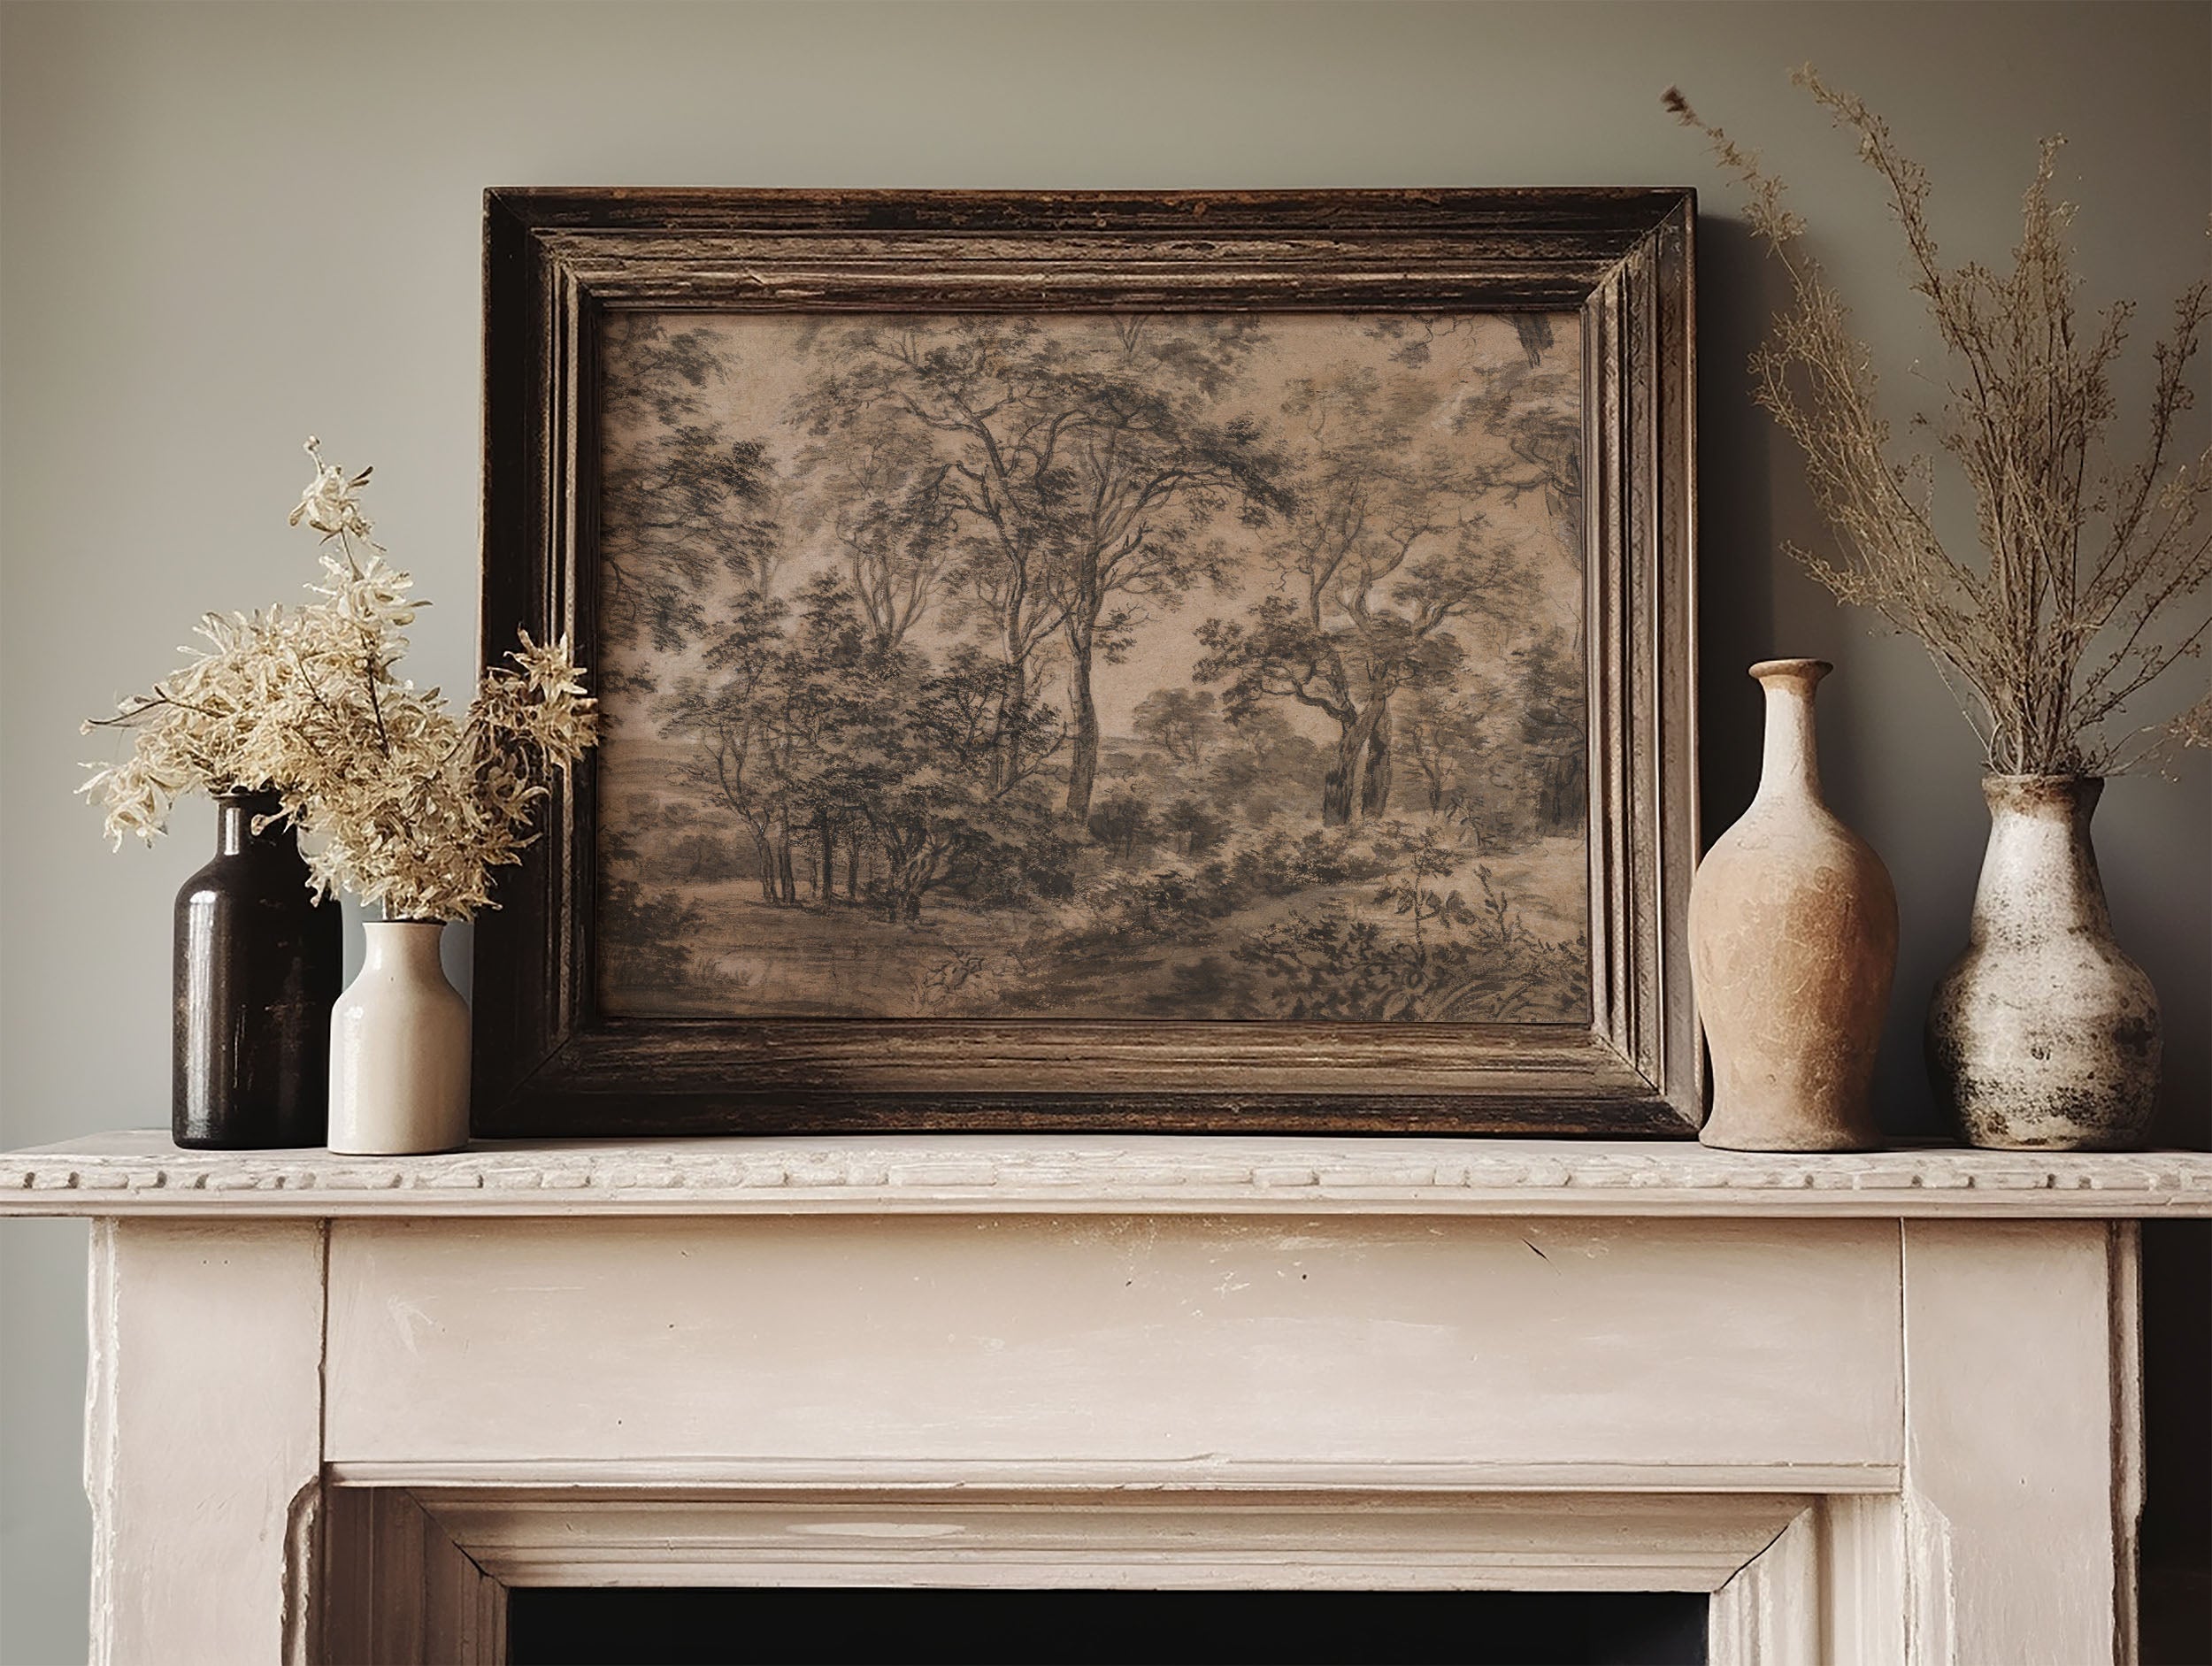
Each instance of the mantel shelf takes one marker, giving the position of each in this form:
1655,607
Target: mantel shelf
140,1172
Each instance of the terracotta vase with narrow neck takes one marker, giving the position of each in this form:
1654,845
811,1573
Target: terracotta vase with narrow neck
1792,944
399,1048
2044,1036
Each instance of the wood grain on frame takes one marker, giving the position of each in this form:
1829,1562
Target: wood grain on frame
557,263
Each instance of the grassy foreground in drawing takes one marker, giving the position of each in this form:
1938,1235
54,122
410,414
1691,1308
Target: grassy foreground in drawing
1114,666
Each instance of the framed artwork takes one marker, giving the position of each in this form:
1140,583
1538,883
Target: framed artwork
1203,662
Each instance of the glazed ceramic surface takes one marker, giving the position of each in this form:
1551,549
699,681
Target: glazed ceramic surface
399,1048
1792,944
257,964
2044,1036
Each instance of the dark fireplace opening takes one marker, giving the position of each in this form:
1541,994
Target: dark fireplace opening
918,1627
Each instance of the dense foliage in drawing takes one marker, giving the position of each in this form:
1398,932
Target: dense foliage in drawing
1113,666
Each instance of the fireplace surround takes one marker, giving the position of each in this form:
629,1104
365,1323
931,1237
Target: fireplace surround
1881,1407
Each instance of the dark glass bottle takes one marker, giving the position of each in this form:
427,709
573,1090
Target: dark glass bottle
257,969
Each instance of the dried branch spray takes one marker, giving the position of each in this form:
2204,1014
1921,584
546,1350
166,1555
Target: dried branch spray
2081,595
399,801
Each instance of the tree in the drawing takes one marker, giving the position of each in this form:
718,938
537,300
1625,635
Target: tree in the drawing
1121,821
1530,406
1194,829
948,790
689,512
1154,467
646,930
1552,729
1501,752
1181,722
967,391
823,740
766,718
836,678
1440,734
881,489
739,752
1083,465
1261,762
1386,550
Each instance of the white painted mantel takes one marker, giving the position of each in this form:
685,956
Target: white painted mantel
1884,1408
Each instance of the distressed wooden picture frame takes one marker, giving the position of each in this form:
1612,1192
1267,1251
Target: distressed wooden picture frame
567,271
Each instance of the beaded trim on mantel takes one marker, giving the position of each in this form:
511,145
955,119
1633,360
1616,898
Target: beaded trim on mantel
140,1172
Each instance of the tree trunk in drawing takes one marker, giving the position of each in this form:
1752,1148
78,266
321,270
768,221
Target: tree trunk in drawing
1374,791
1083,755
1343,788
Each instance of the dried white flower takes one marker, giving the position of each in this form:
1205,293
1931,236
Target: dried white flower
332,504
400,802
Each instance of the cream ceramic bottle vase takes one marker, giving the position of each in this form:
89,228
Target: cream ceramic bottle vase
2044,1036
1792,944
399,1048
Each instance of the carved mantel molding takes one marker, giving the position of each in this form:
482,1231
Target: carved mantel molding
339,1404
140,1173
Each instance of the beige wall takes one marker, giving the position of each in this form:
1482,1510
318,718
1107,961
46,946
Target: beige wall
223,225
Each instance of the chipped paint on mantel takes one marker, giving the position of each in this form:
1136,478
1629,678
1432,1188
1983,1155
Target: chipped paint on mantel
328,1441
140,1172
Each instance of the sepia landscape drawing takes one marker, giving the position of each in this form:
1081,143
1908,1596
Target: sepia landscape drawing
1093,666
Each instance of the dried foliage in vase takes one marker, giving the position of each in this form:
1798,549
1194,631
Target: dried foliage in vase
2081,596
398,799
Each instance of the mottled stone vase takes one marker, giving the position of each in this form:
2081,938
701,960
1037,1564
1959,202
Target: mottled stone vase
2043,1037
1792,944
